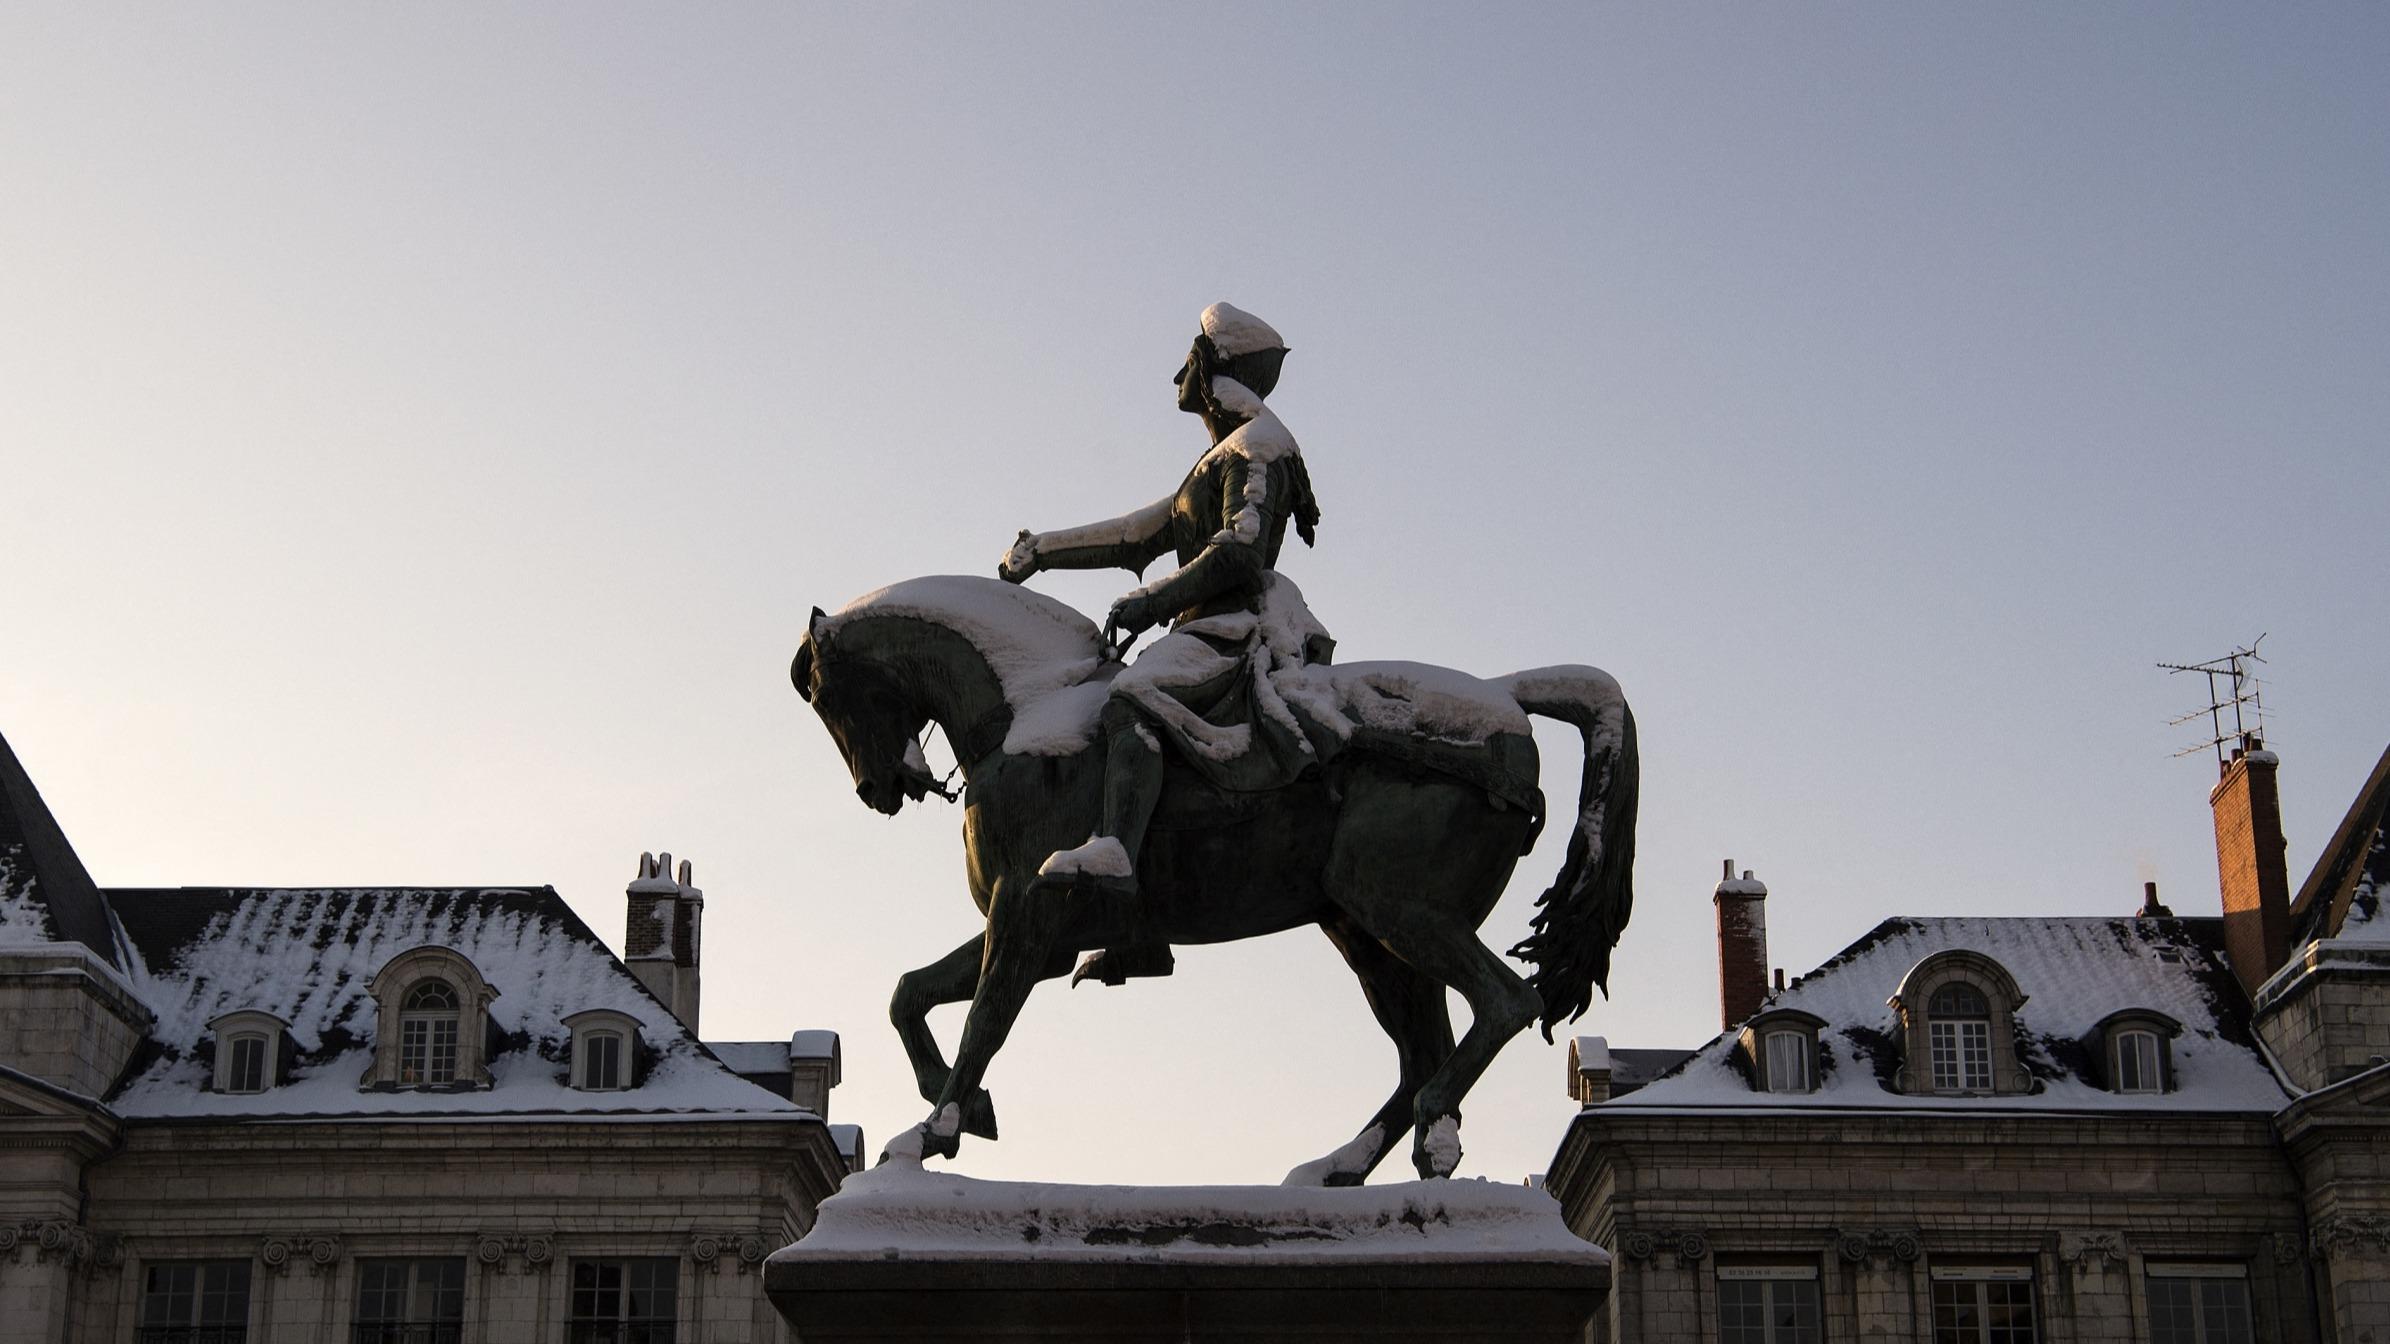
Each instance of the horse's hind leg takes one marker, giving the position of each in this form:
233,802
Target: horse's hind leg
1501,1005
949,979
1412,1010
1418,866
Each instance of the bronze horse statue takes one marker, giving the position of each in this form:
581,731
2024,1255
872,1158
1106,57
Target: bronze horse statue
1397,848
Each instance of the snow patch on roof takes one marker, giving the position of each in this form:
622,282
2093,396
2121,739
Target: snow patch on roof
24,919
2074,974
308,956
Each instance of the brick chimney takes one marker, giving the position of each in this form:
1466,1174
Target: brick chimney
1742,946
660,934
2252,867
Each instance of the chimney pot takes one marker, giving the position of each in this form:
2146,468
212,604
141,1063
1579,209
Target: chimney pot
1780,979
1742,946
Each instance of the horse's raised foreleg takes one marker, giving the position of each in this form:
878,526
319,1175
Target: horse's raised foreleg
1411,1008
949,979
1021,948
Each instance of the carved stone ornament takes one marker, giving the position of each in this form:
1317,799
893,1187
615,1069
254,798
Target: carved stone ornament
319,1252
2288,1247
2092,1252
1861,1245
533,1252
1640,1243
2353,1234
55,1238
745,1250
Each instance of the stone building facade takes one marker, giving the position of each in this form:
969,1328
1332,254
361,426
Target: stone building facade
2002,1130
382,1115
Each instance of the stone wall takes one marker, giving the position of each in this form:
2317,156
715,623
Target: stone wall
2327,1017
65,1019
519,1202
1873,1202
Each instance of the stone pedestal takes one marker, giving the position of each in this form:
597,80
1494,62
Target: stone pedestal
900,1254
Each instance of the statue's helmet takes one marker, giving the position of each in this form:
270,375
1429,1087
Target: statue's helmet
1242,347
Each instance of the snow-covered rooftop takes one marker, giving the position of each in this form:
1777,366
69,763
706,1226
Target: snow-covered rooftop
307,956
2074,973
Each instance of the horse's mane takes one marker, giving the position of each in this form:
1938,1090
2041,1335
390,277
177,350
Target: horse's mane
1033,643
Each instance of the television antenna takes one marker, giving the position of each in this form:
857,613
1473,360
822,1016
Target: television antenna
2231,686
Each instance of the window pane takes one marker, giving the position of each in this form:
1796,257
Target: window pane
1975,1056
1944,1037
2137,1062
1793,1311
601,1068
2173,1311
247,1072
1742,1313
203,1302
1788,1061
2224,1305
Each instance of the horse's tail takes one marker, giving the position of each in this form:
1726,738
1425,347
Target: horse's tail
1577,921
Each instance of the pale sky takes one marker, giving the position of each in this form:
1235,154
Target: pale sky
423,431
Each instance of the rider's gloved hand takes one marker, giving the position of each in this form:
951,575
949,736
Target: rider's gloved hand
1133,614
1019,562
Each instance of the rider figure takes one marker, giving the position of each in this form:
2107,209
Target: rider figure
1202,686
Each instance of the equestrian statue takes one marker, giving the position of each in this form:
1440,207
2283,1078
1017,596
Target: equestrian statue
1233,781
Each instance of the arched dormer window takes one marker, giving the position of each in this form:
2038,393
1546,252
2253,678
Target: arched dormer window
427,1032
248,1051
1959,1037
1781,1045
605,1050
1958,1027
2136,1051
434,1022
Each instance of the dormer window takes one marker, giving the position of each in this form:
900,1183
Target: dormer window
1781,1045
1960,1020
1958,1012
2137,1062
434,1027
2136,1048
427,1035
248,1051
605,1050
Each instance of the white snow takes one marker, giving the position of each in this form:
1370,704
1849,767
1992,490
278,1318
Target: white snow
1128,529
1444,1144
1101,856
24,920
1350,1160
1593,1054
2261,757
307,957
813,1043
2073,972
1236,332
1034,644
899,1211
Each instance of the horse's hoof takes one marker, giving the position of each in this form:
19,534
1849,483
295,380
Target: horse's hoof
1436,1149
1340,1179
942,1133
979,1115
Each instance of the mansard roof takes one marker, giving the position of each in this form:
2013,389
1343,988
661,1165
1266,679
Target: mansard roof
45,894
309,956
2074,974
2342,897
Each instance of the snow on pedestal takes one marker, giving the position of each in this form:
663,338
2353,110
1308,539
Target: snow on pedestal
900,1211
900,1253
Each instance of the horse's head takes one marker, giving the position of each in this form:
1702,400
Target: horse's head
868,716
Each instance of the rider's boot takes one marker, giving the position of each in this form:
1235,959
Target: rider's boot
1107,863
